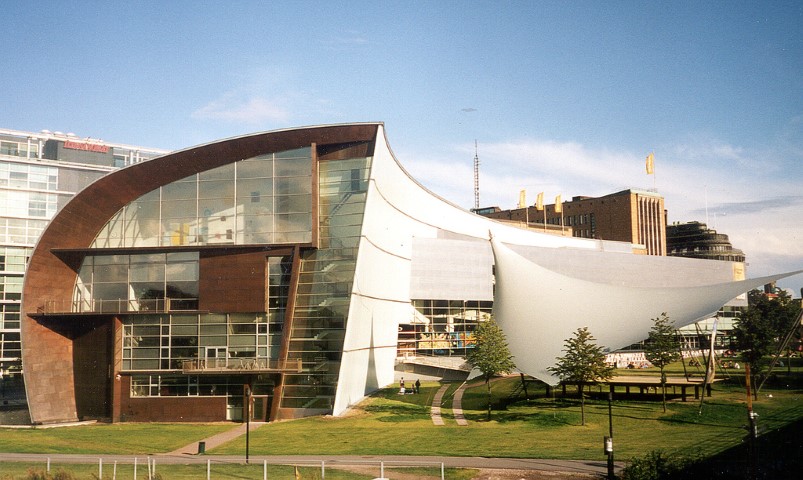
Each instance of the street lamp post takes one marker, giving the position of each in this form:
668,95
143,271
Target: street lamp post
609,438
247,411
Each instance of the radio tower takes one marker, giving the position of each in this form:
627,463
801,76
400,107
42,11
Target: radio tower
476,177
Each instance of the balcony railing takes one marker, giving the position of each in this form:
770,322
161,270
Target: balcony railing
155,305
238,365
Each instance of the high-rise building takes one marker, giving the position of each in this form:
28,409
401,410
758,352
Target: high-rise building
39,173
634,216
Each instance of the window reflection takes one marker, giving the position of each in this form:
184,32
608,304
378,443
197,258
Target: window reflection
120,283
265,199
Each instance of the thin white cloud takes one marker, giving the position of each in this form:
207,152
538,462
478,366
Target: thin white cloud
238,109
345,40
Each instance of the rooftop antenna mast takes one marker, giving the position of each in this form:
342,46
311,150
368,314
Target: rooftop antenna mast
476,177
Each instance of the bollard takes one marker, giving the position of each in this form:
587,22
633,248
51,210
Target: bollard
135,468
48,464
264,470
208,469
323,472
100,468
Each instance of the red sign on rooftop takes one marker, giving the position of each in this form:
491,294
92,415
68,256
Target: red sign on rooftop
89,147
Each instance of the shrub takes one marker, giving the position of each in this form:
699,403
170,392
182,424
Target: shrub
34,474
655,465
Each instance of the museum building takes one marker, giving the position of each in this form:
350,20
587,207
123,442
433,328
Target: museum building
282,266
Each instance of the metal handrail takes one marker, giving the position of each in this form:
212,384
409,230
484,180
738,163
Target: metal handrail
240,365
157,305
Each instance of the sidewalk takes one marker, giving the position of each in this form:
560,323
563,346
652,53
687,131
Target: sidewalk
216,440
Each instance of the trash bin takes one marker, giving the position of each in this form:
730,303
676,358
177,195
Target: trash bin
201,448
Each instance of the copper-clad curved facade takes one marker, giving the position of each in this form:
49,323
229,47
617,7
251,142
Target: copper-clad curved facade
61,364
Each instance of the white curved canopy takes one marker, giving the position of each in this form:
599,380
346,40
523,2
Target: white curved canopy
539,308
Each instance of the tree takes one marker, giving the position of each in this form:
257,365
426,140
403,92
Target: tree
759,328
491,354
662,348
584,363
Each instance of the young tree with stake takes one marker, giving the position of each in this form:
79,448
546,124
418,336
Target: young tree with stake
662,348
583,363
491,354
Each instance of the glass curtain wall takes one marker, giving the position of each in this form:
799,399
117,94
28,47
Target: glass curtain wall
133,283
325,283
225,341
261,200
442,327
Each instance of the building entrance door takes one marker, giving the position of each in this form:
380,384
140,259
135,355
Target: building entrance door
261,408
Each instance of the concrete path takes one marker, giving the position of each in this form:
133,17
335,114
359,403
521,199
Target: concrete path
216,440
457,406
435,413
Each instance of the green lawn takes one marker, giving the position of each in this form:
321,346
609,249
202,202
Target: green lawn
392,424
121,438
20,471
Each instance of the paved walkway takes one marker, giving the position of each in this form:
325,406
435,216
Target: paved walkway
457,406
435,413
216,440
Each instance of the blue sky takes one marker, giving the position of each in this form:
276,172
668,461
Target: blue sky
562,97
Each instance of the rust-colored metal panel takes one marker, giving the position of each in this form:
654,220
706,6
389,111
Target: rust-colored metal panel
233,283
170,409
92,366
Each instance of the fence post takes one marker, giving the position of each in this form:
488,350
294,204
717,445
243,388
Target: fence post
443,472
48,464
264,470
135,468
100,468
381,469
323,471
208,469
114,471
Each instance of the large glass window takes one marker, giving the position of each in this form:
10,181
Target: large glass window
442,327
18,203
10,347
261,200
14,259
26,176
222,341
9,316
10,288
325,283
21,231
124,283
